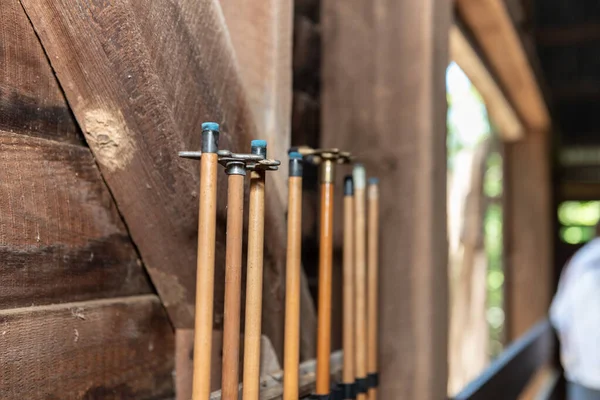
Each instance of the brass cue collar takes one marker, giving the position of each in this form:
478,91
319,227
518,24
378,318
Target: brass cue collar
326,159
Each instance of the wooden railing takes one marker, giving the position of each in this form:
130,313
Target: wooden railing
509,374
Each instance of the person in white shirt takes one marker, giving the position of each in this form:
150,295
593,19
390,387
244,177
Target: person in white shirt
575,314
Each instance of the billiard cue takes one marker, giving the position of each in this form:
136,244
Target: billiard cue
293,270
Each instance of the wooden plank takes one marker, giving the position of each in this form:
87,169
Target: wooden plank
307,55
261,34
580,191
527,233
31,101
500,110
140,93
568,35
495,33
384,99
184,358
271,385
117,348
508,375
61,237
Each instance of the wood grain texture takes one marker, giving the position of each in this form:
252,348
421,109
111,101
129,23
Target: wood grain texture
490,23
292,295
141,77
261,34
61,237
271,387
105,349
529,281
31,101
184,357
384,99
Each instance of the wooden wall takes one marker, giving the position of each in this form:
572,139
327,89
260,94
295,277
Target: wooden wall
528,233
384,99
78,317
98,215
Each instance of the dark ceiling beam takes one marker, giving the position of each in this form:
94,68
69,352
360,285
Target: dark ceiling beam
567,35
576,91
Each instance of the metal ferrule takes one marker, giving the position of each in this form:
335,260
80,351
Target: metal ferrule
235,168
210,141
261,151
348,186
296,167
327,171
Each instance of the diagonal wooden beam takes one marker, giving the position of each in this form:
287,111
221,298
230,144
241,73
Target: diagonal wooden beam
140,78
500,110
498,38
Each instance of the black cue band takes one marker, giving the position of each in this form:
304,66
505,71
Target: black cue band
362,385
373,380
319,397
348,390
336,393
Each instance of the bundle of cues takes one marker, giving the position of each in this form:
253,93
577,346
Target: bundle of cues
360,272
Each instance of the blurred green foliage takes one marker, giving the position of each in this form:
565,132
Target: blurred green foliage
578,220
468,125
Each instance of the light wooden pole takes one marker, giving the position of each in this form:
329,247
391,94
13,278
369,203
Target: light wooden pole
205,276
293,271
359,177
236,171
325,273
254,275
348,375
373,286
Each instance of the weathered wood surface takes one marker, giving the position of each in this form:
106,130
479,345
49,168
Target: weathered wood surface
261,34
140,93
117,349
31,101
184,358
61,237
384,99
529,277
271,384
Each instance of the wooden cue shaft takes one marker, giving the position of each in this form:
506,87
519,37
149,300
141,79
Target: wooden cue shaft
233,287
205,276
292,293
360,274
325,277
254,283
348,375
372,279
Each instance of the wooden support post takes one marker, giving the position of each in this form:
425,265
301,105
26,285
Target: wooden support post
384,100
254,278
325,274
205,280
349,309
528,233
373,287
293,275
233,280
360,275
